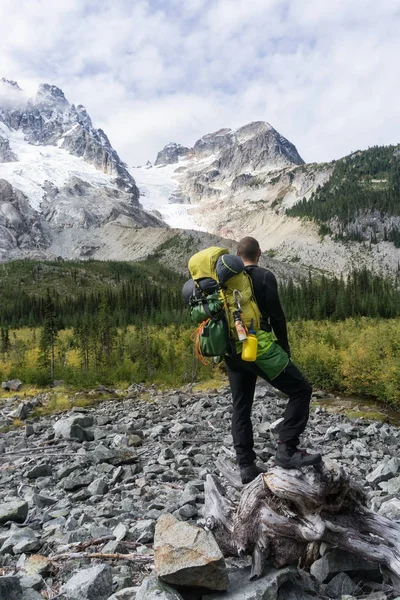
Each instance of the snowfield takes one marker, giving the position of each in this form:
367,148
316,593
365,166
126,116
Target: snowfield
37,164
157,185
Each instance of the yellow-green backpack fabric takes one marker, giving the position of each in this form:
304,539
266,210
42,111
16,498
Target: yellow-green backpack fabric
203,264
240,286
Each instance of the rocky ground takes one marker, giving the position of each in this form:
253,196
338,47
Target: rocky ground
81,492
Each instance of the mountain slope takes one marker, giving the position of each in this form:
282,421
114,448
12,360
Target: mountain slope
58,172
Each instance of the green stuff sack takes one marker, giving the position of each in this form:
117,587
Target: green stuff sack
203,309
211,338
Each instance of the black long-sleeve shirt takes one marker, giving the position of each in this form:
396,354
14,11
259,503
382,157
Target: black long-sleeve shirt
266,293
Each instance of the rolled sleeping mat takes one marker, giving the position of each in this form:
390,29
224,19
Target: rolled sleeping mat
208,285
188,291
228,266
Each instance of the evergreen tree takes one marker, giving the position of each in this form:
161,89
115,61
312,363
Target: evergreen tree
48,336
5,341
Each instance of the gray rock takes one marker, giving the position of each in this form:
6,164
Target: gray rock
154,588
384,471
74,428
392,486
34,582
129,593
40,471
94,583
188,555
12,385
98,487
10,588
22,411
16,510
337,561
143,531
22,540
390,509
120,531
340,585
188,511
265,588
189,495
77,481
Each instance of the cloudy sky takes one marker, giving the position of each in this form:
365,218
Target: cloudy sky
325,74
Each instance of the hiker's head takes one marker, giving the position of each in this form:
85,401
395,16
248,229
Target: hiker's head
249,250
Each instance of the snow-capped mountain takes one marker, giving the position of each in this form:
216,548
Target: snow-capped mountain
58,173
243,182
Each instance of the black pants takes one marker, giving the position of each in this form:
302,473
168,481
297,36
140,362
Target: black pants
242,379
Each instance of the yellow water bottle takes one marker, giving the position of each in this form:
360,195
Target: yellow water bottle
249,348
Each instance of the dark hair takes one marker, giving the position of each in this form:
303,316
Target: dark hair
248,248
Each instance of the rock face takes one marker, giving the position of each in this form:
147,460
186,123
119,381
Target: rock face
20,225
188,556
6,154
171,154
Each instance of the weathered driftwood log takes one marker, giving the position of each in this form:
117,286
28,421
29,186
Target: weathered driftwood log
284,515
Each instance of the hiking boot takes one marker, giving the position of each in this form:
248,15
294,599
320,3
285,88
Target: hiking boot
249,472
291,457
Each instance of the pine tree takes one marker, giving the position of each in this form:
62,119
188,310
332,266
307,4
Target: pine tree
48,336
5,341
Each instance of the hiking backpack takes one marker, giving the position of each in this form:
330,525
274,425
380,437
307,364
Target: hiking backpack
220,288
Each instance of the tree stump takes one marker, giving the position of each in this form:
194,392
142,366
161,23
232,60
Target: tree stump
284,515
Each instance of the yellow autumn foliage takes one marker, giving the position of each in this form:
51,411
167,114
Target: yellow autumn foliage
356,356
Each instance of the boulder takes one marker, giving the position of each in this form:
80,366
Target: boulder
391,509
74,428
384,471
154,588
36,564
12,385
341,585
265,588
43,470
143,531
392,486
337,561
20,541
22,411
16,510
94,583
188,556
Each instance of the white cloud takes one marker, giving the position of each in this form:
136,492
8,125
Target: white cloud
152,71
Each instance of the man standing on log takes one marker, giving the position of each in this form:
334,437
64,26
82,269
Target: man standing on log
243,375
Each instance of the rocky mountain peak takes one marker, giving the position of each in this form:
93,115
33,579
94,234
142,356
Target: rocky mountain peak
213,142
171,153
50,119
10,83
52,94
